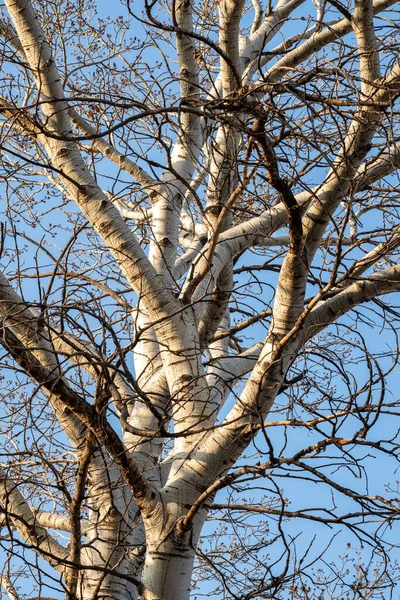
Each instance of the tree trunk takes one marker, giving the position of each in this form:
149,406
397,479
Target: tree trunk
168,569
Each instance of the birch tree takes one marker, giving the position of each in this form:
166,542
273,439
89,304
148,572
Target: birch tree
199,249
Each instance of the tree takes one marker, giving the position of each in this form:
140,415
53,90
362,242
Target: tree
214,199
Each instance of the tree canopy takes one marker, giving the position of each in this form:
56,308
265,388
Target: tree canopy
198,299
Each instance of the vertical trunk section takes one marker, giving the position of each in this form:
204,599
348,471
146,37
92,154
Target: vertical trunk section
170,549
168,571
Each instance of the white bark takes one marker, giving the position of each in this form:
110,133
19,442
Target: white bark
145,498
23,519
8,586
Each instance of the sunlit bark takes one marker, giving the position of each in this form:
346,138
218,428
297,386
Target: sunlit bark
224,249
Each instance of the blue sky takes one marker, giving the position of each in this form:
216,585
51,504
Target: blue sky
300,493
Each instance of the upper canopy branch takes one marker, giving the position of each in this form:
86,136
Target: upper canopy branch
66,158
320,39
